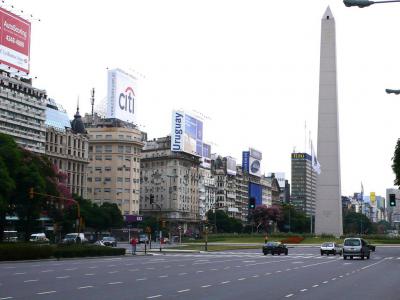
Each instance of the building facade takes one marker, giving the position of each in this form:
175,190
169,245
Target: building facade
22,112
114,163
67,147
303,183
170,185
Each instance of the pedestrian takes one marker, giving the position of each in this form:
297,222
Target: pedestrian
266,239
133,243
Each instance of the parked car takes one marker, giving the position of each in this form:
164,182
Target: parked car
39,238
330,248
371,247
74,238
109,241
275,248
143,238
353,247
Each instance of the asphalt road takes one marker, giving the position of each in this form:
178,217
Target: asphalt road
243,274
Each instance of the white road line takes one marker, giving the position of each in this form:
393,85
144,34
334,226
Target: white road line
181,274
85,287
94,267
113,272
225,282
150,268
141,279
6,298
288,296
155,296
44,293
372,265
111,266
70,269
31,280
325,281
303,290
133,270
278,271
20,273
163,276
341,276
238,266
47,271
206,286
240,279
214,269
255,276
267,274
116,282
62,277
288,269
89,274
315,285
182,291
199,271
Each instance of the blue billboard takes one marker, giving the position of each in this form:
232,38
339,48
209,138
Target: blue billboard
255,191
245,161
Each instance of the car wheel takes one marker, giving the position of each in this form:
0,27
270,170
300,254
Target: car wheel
286,252
265,253
279,253
272,253
351,257
368,256
334,252
362,257
344,257
322,253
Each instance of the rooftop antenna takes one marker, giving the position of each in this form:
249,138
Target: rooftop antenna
92,103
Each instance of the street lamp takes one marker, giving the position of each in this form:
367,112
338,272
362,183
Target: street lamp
365,3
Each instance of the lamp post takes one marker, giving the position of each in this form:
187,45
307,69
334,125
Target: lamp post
159,226
365,3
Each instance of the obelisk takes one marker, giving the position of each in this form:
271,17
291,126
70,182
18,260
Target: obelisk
328,215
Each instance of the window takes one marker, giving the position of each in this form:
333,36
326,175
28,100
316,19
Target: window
99,157
107,179
121,137
97,179
128,149
98,168
108,137
99,136
107,169
120,149
127,179
108,157
108,148
99,148
119,168
107,190
89,179
119,179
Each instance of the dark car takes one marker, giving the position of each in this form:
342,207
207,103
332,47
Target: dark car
109,241
275,248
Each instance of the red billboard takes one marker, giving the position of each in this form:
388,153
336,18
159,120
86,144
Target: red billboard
15,35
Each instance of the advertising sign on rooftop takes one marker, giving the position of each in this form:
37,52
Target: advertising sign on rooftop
187,134
121,98
15,35
230,166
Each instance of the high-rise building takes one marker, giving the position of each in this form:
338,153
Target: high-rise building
114,162
328,218
67,146
22,112
207,190
303,183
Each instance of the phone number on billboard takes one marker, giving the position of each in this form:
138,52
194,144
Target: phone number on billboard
15,41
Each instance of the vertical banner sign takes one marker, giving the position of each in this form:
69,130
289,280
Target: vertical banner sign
245,161
255,162
121,100
372,198
15,36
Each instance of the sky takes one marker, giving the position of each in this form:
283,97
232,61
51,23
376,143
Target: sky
251,67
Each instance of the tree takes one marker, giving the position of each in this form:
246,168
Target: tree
293,220
396,163
263,216
224,222
356,223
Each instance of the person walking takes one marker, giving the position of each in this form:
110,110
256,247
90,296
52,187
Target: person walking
133,243
266,239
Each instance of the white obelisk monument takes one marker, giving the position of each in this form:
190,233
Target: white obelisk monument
328,215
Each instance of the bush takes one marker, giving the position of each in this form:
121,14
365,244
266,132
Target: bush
23,251
86,250
293,240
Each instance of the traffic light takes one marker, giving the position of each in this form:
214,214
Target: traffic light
151,198
31,192
252,203
392,200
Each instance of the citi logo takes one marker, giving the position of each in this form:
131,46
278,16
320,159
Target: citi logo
126,100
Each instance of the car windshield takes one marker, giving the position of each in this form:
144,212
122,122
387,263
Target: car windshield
352,242
71,236
272,244
327,245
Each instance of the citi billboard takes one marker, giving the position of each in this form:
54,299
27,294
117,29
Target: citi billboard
121,97
15,36
186,134
251,162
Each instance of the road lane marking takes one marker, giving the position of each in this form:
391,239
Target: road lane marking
315,285
334,278
150,268
240,279
111,266
372,264
206,286
278,271
214,269
89,274
267,274
70,269
325,281
141,279
238,266
94,267
181,274
182,291
62,277
116,282
20,273
225,282
255,276
155,296
47,271
6,298
45,293
199,271
133,270
226,268
113,272
288,269
31,280
303,290
85,287
288,296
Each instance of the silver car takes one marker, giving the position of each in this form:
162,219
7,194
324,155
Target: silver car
330,248
356,247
